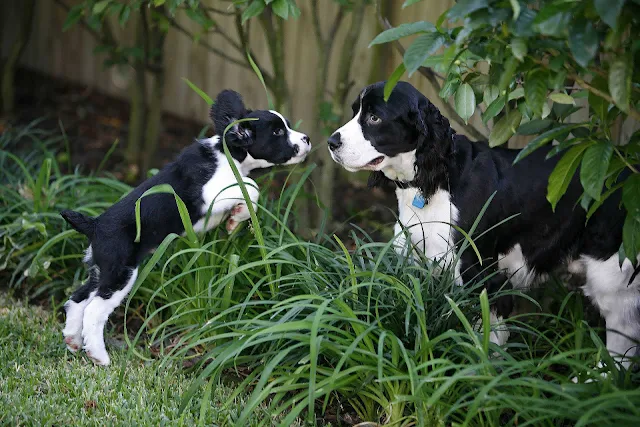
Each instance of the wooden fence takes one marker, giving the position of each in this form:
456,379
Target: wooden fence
70,55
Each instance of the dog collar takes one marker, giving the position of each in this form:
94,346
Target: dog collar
418,200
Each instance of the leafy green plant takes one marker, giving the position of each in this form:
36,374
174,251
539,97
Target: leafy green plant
38,252
365,330
528,66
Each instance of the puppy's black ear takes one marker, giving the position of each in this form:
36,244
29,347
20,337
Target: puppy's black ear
435,136
227,108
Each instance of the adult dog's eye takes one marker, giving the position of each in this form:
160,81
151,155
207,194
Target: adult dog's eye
373,119
278,132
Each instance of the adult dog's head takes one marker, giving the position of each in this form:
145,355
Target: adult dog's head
404,139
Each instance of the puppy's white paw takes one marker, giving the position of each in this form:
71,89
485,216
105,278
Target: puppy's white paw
73,342
239,213
95,349
98,356
598,368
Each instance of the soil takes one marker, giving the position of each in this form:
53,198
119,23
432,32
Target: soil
93,120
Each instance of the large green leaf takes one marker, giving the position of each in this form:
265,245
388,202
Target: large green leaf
508,74
255,8
281,8
535,90
403,30
450,86
490,94
562,174
562,98
393,80
620,83
494,108
609,10
598,104
519,48
631,194
544,139
583,41
463,8
422,47
593,170
465,102
631,237
534,127
505,128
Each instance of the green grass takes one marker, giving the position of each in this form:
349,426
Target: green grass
316,327
41,383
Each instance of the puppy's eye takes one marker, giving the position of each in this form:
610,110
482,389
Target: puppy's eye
373,119
278,132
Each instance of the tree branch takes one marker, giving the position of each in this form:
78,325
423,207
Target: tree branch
206,45
432,77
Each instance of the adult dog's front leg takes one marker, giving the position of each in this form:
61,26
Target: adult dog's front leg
493,282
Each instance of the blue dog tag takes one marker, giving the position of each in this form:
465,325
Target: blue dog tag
418,201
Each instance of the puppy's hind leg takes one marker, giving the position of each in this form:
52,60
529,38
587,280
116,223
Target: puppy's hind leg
76,305
112,289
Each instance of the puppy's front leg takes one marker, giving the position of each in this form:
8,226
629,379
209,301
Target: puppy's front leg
240,212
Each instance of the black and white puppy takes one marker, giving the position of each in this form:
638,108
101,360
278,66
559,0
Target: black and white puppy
203,178
443,178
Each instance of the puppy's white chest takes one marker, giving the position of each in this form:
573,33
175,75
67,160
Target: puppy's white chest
429,223
220,194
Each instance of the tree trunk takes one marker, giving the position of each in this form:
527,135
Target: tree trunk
9,70
325,178
274,33
154,112
138,107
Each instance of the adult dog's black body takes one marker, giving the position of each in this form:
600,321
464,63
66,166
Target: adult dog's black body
444,177
203,178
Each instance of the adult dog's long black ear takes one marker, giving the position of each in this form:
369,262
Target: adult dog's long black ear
227,108
435,136
377,179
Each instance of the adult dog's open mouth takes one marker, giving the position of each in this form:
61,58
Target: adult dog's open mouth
376,161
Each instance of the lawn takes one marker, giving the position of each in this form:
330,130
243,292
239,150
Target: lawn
41,383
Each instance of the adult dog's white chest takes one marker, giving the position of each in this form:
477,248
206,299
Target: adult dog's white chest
428,224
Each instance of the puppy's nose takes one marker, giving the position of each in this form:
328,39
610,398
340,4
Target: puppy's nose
334,141
305,138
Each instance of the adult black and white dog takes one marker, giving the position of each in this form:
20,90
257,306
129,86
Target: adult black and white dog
203,178
443,178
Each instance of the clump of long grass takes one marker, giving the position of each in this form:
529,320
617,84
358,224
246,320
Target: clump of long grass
39,253
308,325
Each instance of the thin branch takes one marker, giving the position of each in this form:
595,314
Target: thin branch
633,113
216,29
432,77
206,45
213,10
245,48
334,28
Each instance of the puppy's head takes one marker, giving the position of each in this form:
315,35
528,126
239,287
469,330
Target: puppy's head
265,140
404,138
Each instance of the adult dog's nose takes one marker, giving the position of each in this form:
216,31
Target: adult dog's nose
334,141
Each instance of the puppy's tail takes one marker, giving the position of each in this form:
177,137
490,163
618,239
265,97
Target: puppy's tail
80,222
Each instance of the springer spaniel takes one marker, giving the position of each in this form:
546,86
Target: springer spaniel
443,178
203,178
